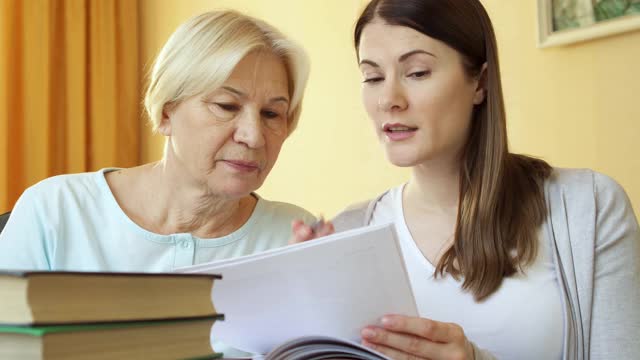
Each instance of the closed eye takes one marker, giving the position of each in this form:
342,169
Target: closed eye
373,80
228,107
270,114
419,74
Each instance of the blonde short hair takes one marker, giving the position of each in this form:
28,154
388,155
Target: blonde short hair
202,52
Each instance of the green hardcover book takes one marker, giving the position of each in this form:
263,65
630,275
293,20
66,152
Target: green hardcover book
62,297
178,339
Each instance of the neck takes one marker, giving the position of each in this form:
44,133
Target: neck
434,186
178,203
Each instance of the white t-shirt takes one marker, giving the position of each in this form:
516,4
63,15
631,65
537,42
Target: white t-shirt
522,320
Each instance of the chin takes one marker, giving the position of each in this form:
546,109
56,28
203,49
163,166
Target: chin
402,163
235,189
403,160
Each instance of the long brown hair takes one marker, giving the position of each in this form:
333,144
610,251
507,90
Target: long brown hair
501,203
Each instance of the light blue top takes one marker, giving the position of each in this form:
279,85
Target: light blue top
73,222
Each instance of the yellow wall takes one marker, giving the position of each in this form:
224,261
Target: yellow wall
575,106
567,105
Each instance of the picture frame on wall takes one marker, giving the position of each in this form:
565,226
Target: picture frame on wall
563,22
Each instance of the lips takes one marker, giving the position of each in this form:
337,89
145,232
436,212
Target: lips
243,165
398,132
397,127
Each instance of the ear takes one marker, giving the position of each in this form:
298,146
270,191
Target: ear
481,91
164,127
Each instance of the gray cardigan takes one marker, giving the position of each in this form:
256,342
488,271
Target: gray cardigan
597,256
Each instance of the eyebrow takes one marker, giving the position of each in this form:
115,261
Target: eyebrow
243,95
402,57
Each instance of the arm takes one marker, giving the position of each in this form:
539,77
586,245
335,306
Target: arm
615,322
22,242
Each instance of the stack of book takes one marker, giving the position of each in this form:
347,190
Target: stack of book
80,315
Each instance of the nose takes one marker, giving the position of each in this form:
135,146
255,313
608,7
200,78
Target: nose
249,130
392,98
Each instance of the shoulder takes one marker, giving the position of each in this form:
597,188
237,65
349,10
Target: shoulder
59,192
65,199
271,223
360,213
566,178
53,201
589,201
59,188
357,207
279,211
587,184
353,216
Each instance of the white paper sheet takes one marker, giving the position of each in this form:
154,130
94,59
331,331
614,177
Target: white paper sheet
332,286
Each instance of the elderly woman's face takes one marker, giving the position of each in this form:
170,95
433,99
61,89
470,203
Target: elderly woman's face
229,139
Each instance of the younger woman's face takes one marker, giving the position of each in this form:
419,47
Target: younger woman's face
418,94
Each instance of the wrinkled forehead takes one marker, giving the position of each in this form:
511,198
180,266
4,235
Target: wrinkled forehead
260,73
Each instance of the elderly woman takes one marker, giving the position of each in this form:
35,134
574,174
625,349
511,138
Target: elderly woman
225,91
